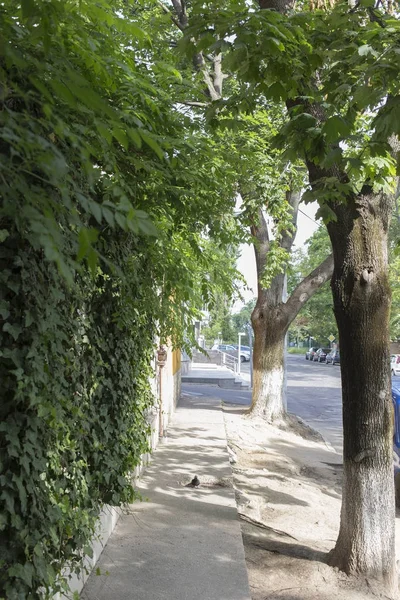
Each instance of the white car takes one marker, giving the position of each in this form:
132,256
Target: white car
395,364
232,351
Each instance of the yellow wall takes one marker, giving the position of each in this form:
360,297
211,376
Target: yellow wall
176,361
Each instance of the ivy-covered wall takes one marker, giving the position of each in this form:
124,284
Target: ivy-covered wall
75,368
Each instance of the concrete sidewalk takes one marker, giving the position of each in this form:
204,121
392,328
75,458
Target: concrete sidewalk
183,543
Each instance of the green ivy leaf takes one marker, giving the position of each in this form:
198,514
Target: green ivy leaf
95,209
28,8
326,213
108,215
87,237
24,572
3,235
4,309
14,330
104,131
135,137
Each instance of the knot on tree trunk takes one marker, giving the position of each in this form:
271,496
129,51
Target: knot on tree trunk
366,276
367,453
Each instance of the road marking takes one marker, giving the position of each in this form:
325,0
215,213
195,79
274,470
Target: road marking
192,394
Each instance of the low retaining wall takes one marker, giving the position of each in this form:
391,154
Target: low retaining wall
107,521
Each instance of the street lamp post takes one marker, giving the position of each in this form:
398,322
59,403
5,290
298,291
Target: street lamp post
161,361
240,340
250,334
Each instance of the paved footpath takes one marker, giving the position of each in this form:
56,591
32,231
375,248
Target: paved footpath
183,543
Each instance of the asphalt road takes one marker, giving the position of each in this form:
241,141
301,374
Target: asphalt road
313,393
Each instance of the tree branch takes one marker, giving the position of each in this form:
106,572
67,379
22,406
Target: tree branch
281,6
213,93
168,12
293,198
261,247
198,59
308,287
190,103
218,75
180,9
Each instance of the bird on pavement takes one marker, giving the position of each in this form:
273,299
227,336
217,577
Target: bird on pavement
194,483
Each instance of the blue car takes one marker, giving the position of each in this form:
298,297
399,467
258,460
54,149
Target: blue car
396,438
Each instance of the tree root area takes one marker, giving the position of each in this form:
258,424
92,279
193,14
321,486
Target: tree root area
288,490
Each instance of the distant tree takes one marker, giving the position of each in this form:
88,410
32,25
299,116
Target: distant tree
242,319
316,319
220,325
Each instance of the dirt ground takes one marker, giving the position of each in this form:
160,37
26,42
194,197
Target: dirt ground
288,491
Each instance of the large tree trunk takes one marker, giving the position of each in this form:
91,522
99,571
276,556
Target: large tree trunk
272,316
270,324
268,360
362,302
271,319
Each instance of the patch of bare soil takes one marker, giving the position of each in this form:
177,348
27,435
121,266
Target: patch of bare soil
288,489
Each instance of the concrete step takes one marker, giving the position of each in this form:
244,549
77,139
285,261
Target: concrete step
228,383
233,384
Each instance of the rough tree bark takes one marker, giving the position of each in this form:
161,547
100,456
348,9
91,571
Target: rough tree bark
361,297
271,319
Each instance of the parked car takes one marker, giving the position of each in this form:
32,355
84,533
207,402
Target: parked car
244,348
310,352
320,355
333,357
396,439
395,364
232,351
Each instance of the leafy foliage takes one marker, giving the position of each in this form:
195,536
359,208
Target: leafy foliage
316,318
339,119
75,366
242,320
264,180
219,326
108,208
